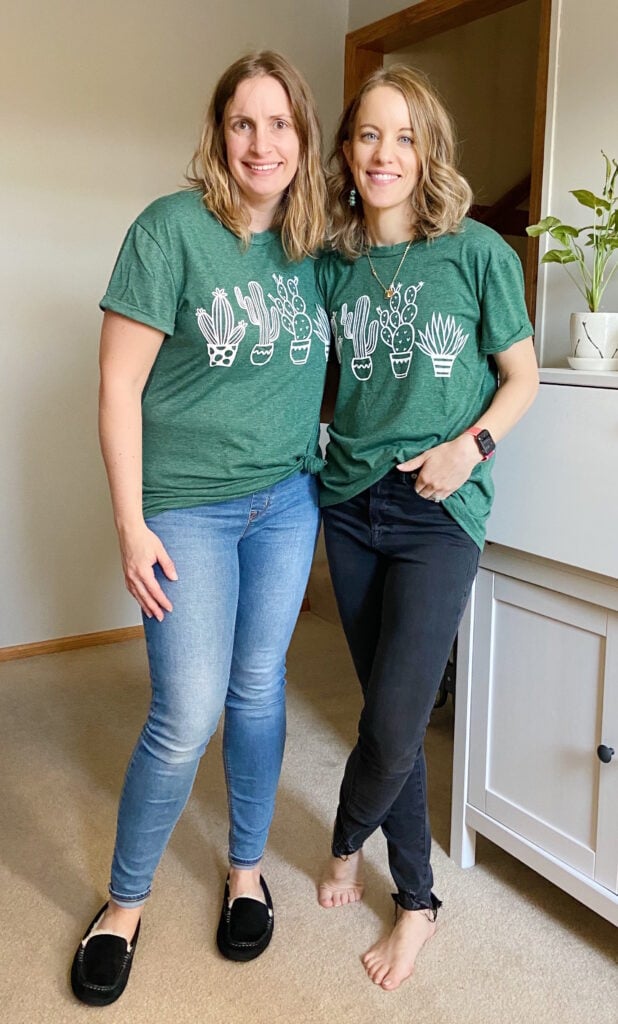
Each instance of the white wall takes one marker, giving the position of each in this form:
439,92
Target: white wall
364,12
581,120
101,105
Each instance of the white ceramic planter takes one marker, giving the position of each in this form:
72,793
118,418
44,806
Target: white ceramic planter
594,341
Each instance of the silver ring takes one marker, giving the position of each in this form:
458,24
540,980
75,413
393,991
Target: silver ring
433,498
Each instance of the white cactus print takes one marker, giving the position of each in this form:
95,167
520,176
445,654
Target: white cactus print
321,324
267,320
363,340
442,341
397,329
293,312
222,335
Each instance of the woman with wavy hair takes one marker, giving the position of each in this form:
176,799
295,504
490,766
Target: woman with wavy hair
436,365
213,357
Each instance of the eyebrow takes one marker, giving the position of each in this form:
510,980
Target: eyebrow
273,117
405,128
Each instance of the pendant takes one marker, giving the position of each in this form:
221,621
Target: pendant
388,294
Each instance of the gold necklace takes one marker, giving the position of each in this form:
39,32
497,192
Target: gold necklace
389,290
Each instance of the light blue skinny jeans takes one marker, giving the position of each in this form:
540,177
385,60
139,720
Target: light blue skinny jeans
242,570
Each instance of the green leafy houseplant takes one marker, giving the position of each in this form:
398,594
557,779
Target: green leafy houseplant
601,237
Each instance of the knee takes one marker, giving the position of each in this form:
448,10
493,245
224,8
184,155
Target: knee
179,739
391,752
259,683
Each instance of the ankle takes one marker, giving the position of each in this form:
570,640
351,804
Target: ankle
244,881
120,921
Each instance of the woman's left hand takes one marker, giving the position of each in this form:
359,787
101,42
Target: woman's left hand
443,469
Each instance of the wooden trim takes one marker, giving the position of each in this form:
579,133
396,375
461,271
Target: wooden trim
428,18
71,643
74,643
538,154
359,64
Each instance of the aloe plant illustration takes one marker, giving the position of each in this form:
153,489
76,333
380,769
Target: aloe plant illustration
267,321
321,324
222,335
293,312
363,340
397,329
442,341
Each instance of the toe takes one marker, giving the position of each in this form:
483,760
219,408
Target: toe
378,973
325,898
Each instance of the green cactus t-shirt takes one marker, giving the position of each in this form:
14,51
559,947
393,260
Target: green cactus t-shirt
232,403
416,370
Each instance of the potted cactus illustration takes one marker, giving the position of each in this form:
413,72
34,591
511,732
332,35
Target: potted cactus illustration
442,341
222,335
397,329
293,312
266,320
363,341
321,324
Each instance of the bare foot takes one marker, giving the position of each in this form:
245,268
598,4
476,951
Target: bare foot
342,881
246,882
119,921
391,960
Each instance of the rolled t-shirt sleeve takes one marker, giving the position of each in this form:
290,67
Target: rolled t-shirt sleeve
504,317
142,287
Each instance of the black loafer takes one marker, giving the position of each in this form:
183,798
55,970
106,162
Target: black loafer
245,928
101,965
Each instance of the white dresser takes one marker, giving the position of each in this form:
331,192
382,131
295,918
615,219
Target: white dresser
537,669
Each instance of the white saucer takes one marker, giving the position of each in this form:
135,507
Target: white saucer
592,364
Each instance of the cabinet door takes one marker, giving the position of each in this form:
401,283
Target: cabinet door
539,662
607,849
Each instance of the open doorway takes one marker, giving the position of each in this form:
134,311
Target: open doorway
488,59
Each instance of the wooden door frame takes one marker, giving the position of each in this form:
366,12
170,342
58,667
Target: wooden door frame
366,46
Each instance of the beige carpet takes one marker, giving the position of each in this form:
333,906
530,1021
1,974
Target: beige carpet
511,948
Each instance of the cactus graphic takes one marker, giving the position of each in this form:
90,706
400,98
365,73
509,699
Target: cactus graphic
259,315
363,341
222,336
322,328
397,329
293,313
442,341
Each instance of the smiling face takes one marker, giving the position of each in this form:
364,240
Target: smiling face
262,145
382,155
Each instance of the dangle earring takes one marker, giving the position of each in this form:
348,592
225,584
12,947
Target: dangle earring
352,198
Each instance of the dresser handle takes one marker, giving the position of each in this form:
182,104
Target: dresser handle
604,753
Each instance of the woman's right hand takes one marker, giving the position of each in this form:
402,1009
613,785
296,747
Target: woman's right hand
140,550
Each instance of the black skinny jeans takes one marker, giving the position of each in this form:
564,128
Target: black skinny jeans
402,570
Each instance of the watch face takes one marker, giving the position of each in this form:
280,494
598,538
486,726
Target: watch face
486,443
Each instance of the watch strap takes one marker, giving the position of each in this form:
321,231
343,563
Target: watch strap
483,443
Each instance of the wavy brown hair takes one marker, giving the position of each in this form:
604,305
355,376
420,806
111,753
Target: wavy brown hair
301,216
441,197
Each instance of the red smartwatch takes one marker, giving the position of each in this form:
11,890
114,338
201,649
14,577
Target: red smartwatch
484,441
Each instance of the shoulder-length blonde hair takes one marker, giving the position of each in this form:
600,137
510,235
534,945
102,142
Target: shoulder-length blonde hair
441,197
301,216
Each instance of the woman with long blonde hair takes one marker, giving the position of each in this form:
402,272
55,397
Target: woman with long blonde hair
213,356
436,365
